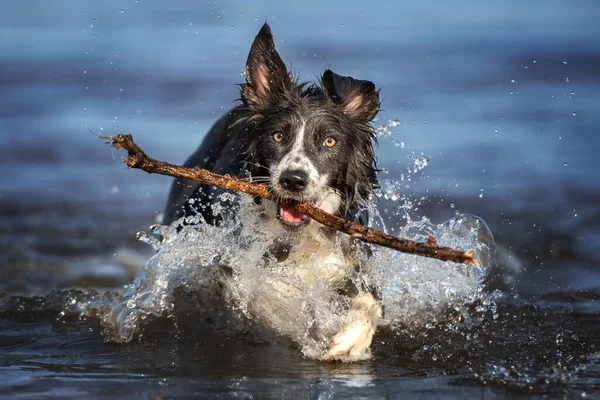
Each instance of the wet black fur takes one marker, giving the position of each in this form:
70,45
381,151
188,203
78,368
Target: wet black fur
241,142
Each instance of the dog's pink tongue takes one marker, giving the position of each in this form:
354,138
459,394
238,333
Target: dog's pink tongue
290,216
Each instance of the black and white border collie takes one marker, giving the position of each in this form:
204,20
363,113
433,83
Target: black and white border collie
311,144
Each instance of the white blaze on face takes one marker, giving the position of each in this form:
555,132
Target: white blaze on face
317,191
296,160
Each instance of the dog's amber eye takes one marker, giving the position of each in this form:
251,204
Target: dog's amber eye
329,142
278,137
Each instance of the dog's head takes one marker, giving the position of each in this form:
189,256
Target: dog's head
312,144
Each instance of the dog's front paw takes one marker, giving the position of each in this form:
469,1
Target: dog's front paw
353,342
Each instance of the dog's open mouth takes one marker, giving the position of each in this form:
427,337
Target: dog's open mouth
291,218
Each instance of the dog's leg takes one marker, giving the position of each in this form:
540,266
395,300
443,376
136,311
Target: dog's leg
353,342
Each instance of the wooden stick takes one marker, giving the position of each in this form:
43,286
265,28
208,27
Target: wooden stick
136,158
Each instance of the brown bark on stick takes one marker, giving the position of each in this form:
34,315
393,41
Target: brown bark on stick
136,158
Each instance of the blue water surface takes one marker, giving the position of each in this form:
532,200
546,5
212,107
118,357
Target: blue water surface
502,97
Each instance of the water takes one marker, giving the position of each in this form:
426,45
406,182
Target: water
496,117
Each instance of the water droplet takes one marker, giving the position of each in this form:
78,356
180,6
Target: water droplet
452,205
574,113
341,25
420,163
567,80
85,71
564,62
513,81
496,130
256,18
565,164
122,11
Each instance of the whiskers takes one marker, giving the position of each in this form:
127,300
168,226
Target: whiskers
257,179
318,196
259,165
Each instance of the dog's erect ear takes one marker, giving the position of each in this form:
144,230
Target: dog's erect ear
266,74
359,99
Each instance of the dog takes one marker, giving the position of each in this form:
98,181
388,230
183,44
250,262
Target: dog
311,144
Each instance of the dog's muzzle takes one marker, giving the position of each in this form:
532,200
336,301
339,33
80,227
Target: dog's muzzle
293,184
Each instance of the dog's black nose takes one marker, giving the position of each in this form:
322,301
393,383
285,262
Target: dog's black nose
294,181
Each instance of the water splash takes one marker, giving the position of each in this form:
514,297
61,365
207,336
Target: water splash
223,277
415,289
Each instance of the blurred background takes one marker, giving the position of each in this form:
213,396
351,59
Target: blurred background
499,98
496,113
